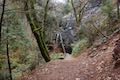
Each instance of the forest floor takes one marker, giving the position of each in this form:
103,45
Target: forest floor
95,63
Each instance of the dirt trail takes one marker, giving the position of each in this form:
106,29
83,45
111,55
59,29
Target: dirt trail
68,57
93,64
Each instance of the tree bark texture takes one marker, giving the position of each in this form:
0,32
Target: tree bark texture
36,29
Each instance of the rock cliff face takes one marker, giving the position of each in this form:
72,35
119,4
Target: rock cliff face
95,3
92,12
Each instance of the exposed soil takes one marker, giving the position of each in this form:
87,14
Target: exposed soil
93,64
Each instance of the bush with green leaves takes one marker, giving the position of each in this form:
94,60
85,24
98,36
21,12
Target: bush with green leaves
4,75
107,7
67,8
22,53
56,56
79,46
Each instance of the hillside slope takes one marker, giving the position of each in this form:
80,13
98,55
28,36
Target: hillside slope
93,64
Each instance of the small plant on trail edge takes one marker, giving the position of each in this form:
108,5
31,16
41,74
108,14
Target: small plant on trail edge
80,46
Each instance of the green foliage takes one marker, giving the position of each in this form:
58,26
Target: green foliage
67,8
16,33
56,56
22,53
82,32
111,30
18,71
107,7
80,46
4,75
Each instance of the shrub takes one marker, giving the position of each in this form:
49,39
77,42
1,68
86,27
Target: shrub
80,46
56,56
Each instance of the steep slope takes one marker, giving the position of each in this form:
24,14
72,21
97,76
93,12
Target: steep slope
96,63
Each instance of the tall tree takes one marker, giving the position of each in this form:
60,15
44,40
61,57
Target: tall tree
78,11
8,57
1,19
36,28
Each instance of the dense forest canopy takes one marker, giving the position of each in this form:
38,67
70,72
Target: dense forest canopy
36,32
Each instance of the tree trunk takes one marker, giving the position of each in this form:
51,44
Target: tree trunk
75,13
8,58
1,19
36,29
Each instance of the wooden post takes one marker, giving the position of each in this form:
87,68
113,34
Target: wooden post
63,47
